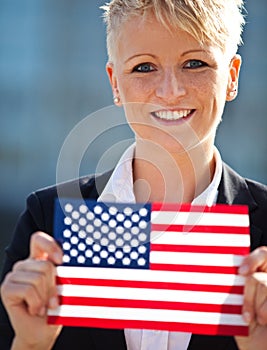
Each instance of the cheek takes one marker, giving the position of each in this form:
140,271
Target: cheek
205,83
212,89
136,89
218,98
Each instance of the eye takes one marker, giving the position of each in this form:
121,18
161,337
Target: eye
194,64
144,68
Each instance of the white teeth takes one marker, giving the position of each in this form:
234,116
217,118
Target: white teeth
172,115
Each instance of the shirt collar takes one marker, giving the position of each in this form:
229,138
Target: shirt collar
120,185
210,194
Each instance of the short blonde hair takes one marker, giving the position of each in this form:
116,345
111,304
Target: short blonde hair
216,22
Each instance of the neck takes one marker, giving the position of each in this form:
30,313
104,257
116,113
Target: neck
160,176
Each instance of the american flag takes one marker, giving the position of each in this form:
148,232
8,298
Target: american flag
151,266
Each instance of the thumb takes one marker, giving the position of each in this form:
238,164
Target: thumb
44,247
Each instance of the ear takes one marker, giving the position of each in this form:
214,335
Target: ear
234,69
113,82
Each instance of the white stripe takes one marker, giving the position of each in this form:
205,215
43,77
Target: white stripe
150,294
200,239
176,258
200,218
150,275
152,315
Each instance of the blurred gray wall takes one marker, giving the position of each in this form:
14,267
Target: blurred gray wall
52,75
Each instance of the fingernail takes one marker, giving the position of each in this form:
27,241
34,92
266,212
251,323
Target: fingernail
42,312
247,317
58,258
243,269
53,303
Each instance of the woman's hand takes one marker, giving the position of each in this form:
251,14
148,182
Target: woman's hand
254,268
29,290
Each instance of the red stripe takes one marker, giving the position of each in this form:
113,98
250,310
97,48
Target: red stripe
200,229
152,285
199,249
195,268
171,326
218,208
150,304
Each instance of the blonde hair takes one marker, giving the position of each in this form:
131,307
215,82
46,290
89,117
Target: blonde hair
216,22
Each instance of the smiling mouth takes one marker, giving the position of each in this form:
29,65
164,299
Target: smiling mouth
172,115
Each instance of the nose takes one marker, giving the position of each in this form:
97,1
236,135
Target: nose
171,85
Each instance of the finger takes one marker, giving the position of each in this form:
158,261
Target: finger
248,310
38,272
261,297
43,266
43,246
256,261
37,278
22,295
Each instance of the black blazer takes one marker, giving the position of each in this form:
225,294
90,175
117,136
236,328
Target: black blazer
38,215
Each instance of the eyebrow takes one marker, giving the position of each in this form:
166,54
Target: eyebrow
194,51
139,55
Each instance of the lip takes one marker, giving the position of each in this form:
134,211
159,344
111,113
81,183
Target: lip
172,116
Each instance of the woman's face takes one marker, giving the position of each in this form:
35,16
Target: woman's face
172,88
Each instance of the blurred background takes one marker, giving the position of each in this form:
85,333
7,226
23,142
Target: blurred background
52,75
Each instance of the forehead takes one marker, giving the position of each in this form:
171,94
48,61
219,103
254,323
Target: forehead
148,35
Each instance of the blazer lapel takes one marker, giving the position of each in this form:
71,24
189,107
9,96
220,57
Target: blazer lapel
233,189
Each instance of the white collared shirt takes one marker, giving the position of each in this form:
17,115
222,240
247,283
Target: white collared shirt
120,189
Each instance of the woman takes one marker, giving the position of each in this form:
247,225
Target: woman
172,65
